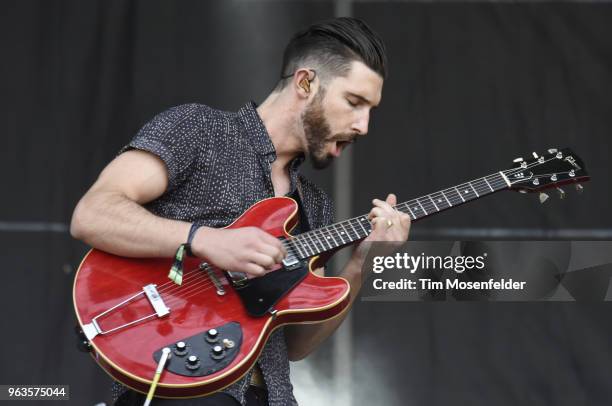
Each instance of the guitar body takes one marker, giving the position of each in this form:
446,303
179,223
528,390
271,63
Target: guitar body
104,281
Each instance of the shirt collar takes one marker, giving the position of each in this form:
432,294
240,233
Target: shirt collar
256,131
258,134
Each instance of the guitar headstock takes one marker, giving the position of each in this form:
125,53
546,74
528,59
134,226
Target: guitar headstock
553,169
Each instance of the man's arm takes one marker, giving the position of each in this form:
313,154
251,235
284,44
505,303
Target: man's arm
110,217
302,339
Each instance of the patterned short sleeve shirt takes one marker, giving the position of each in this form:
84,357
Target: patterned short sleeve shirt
219,164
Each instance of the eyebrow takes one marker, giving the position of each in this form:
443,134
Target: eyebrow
363,99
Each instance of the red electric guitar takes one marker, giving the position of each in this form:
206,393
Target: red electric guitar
216,323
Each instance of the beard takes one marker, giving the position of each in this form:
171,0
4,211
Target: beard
317,132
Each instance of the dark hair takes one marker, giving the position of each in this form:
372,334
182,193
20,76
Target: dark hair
332,45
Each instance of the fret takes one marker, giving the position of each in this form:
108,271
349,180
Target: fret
326,238
411,213
316,236
339,235
422,208
470,183
331,233
294,244
365,232
354,229
434,203
497,181
459,193
345,231
438,201
299,239
415,208
447,201
305,237
483,186
465,192
317,242
489,185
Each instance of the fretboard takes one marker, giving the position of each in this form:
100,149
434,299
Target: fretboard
349,231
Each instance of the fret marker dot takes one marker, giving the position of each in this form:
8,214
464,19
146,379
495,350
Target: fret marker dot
439,200
466,191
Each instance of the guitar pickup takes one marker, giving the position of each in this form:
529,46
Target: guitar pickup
290,263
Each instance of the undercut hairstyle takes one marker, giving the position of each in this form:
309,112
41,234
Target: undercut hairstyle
329,47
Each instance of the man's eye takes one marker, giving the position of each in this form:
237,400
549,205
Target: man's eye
351,103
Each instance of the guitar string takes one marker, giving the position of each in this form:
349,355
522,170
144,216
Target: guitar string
430,208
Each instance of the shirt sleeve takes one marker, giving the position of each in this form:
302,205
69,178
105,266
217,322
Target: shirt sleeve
175,136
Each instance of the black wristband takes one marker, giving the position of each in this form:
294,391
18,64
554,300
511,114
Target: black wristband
192,231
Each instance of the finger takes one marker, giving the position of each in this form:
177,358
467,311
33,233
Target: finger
391,199
270,239
254,269
376,212
378,223
383,205
405,219
273,252
264,260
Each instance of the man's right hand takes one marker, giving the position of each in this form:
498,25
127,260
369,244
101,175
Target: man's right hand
247,249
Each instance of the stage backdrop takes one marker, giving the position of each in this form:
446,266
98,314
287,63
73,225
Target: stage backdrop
471,87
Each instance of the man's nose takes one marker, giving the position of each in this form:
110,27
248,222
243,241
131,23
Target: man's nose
361,125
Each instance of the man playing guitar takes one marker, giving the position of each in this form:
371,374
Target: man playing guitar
193,169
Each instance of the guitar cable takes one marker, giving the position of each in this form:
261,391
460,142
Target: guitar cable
160,368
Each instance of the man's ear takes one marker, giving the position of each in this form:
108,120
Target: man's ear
301,82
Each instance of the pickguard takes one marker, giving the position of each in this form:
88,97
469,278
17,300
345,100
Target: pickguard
259,295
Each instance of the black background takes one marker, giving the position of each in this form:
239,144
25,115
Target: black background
471,86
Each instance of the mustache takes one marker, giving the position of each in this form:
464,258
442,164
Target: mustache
344,137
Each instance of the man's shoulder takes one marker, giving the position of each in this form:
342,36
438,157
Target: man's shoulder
198,109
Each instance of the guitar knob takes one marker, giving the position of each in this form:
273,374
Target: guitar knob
180,349
517,160
543,197
193,363
552,150
217,352
212,335
579,188
535,155
561,193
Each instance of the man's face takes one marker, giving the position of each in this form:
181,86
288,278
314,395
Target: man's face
340,113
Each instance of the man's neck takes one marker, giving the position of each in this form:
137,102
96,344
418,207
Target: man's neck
281,118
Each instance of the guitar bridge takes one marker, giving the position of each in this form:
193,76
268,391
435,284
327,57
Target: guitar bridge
93,328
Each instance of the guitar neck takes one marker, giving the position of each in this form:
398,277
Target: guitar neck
349,231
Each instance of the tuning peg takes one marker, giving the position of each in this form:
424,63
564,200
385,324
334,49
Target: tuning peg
552,150
517,160
535,155
561,193
543,197
579,188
